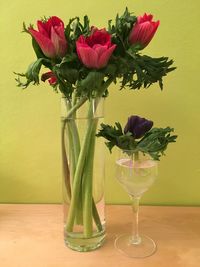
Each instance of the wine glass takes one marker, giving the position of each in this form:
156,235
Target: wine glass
136,173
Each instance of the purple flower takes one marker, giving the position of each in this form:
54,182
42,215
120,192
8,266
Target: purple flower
137,126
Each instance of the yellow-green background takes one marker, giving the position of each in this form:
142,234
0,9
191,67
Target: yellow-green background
30,168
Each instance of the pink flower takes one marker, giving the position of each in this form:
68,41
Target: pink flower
144,30
50,37
95,51
50,76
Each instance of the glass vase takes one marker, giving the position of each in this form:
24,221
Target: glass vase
83,173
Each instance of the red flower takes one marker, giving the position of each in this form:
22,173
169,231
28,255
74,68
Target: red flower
95,51
50,37
144,30
50,76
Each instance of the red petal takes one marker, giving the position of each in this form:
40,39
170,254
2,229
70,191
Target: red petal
55,21
59,43
42,28
45,43
52,80
88,56
103,60
46,75
144,18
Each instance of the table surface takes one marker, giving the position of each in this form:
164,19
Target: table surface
32,236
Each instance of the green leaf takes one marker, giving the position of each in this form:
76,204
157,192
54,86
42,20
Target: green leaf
143,71
37,49
116,137
155,142
86,26
32,73
110,70
70,74
64,85
120,31
91,84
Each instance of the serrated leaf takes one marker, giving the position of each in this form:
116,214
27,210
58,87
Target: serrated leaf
32,73
70,74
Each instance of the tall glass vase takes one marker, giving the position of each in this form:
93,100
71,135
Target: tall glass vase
83,173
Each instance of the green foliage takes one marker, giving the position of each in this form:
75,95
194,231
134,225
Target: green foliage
154,142
91,84
32,73
143,71
74,29
116,137
120,31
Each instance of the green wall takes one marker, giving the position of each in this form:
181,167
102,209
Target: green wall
30,168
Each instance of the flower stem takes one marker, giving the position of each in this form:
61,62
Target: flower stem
136,156
77,178
66,172
75,107
74,150
96,216
87,185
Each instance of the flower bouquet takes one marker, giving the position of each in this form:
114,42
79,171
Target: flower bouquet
82,61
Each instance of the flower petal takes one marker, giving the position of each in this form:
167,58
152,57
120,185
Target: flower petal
50,76
55,21
42,28
45,43
143,30
138,126
46,75
145,17
88,57
104,58
95,50
59,42
100,49
52,80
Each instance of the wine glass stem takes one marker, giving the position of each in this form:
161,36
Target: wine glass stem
135,207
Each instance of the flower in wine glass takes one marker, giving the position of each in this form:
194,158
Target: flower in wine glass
138,136
137,126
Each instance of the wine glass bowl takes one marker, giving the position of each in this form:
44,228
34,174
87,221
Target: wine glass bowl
136,176
136,173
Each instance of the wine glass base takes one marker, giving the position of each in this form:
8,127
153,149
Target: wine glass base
144,249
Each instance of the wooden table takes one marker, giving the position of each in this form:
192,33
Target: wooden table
32,236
